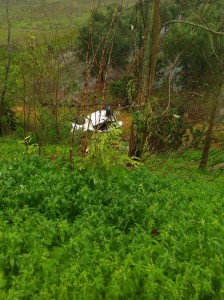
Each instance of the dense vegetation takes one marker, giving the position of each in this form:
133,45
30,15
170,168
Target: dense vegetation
118,234
135,212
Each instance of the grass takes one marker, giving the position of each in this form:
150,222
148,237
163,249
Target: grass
42,18
10,148
186,165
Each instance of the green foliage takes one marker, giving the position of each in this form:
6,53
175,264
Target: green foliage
10,148
106,151
162,131
117,234
72,86
99,44
196,66
11,86
170,132
123,88
44,110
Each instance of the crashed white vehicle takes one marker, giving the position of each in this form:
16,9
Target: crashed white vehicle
98,121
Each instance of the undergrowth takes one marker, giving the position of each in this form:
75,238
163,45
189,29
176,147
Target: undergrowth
108,234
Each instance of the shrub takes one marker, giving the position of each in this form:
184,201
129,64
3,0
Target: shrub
123,88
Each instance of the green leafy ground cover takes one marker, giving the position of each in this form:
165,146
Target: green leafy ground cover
186,165
120,234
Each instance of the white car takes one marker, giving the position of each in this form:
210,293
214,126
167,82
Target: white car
98,121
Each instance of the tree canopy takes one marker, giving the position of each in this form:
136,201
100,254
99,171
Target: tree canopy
106,39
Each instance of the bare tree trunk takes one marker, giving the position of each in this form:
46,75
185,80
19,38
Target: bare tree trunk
146,61
154,47
142,59
146,77
208,139
132,142
104,60
7,70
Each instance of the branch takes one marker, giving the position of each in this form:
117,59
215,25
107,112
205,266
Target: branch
195,25
170,79
214,51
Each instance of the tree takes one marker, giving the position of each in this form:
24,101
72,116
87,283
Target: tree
150,52
192,29
4,87
191,37
145,72
202,60
205,154
106,39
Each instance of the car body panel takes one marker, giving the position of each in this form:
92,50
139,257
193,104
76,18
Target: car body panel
98,121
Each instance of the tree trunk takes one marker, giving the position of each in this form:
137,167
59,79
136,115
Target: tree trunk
147,62
154,47
132,142
142,59
7,69
208,139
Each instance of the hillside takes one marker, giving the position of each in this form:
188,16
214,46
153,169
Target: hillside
94,234
111,150
43,17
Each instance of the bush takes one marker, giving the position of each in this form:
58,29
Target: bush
106,151
123,88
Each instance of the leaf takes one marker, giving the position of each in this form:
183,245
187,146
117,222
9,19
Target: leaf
12,262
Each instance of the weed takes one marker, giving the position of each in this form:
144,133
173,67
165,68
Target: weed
90,234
